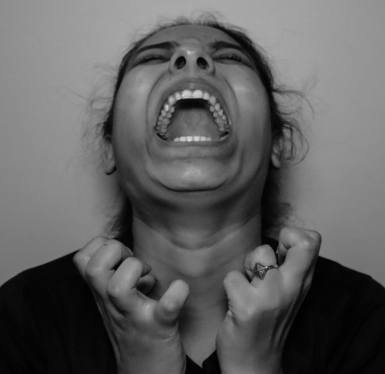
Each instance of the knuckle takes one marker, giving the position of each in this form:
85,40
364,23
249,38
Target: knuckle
305,242
114,245
98,241
94,244
114,290
127,251
304,237
83,253
119,248
263,250
296,234
263,254
311,242
169,306
315,236
79,259
134,264
93,272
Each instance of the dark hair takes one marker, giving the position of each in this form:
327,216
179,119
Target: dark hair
285,130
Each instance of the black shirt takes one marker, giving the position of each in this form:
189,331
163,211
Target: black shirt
49,323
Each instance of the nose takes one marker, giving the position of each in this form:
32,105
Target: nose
191,58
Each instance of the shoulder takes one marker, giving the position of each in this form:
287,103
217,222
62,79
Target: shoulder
343,298
342,319
49,321
46,276
336,284
44,288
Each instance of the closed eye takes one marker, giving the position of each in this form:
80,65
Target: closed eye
230,58
151,59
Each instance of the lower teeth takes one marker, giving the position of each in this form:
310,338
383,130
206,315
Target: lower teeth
192,139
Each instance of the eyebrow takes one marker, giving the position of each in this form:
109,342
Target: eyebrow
163,45
221,44
214,46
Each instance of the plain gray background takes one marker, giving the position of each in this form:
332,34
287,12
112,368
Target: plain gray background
54,54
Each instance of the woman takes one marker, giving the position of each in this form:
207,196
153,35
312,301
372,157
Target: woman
190,283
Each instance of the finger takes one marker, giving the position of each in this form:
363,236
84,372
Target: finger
169,306
83,255
101,265
121,289
263,255
302,251
236,288
146,284
281,254
146,268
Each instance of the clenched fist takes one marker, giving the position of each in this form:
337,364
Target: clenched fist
261,311
143,331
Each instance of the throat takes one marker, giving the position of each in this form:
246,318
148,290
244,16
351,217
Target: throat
199,340
199,350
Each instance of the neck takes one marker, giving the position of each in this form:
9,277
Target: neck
200,252
199,248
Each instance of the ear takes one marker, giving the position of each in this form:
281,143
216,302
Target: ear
109,159
276,153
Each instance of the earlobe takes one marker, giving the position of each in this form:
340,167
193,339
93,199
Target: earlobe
109,160
276,153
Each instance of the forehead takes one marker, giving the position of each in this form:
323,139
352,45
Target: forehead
200,33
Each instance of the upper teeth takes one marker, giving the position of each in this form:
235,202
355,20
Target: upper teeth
168,109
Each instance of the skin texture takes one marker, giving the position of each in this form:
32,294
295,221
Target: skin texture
190,288
166,167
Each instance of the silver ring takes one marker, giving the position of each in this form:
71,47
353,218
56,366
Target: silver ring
261,270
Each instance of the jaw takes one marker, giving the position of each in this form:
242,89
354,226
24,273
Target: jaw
186,165
194,175
192,140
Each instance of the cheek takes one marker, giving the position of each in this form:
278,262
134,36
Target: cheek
129,130
129,111
253,123
254,113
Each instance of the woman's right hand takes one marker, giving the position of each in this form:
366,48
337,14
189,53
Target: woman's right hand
143,331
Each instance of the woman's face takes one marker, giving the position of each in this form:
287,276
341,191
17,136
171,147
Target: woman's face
191,115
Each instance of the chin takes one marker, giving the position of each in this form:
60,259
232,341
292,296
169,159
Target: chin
193,178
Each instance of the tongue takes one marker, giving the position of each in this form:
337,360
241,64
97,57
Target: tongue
192,122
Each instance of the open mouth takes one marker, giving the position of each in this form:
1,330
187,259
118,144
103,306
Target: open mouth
192,116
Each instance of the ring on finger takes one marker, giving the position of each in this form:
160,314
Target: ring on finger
260,270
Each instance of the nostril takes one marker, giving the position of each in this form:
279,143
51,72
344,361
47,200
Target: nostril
202,63
180,62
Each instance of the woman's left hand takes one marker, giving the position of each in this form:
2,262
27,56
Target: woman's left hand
261,311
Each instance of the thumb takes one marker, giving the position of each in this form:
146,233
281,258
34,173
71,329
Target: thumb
236,286
169,306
